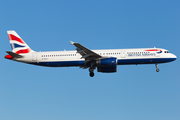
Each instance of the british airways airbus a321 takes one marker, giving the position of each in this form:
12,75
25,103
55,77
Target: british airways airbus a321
105,61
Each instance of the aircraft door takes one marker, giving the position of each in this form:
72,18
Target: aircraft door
78,56
123,54
34,56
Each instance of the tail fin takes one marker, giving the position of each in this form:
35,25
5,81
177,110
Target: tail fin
17,44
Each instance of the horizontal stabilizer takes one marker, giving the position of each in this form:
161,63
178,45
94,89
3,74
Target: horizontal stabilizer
14,54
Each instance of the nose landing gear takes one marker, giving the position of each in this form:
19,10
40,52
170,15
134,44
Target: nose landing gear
157,69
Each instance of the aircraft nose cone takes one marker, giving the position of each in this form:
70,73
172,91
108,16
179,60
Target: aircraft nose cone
174,57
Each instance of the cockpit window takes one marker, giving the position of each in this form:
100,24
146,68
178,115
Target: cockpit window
166,52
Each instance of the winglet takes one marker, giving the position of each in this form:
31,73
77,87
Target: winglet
72,43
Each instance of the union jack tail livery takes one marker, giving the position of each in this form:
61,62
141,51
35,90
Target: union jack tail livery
17,44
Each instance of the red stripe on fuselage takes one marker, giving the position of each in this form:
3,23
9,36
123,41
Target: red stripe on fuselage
153,50
12,37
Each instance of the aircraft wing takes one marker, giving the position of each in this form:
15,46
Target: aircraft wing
87,54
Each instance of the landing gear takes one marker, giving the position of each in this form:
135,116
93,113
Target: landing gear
157,69
91,74
91,70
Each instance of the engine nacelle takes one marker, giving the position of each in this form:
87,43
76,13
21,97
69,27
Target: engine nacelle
107,61
107,65
107,69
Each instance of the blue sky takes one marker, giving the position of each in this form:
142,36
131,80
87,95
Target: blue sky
133,93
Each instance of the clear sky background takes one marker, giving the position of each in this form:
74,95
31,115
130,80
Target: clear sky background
30,92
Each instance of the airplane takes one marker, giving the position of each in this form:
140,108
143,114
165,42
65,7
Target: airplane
105,61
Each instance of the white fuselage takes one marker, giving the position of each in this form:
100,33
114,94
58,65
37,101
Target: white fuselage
124,56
